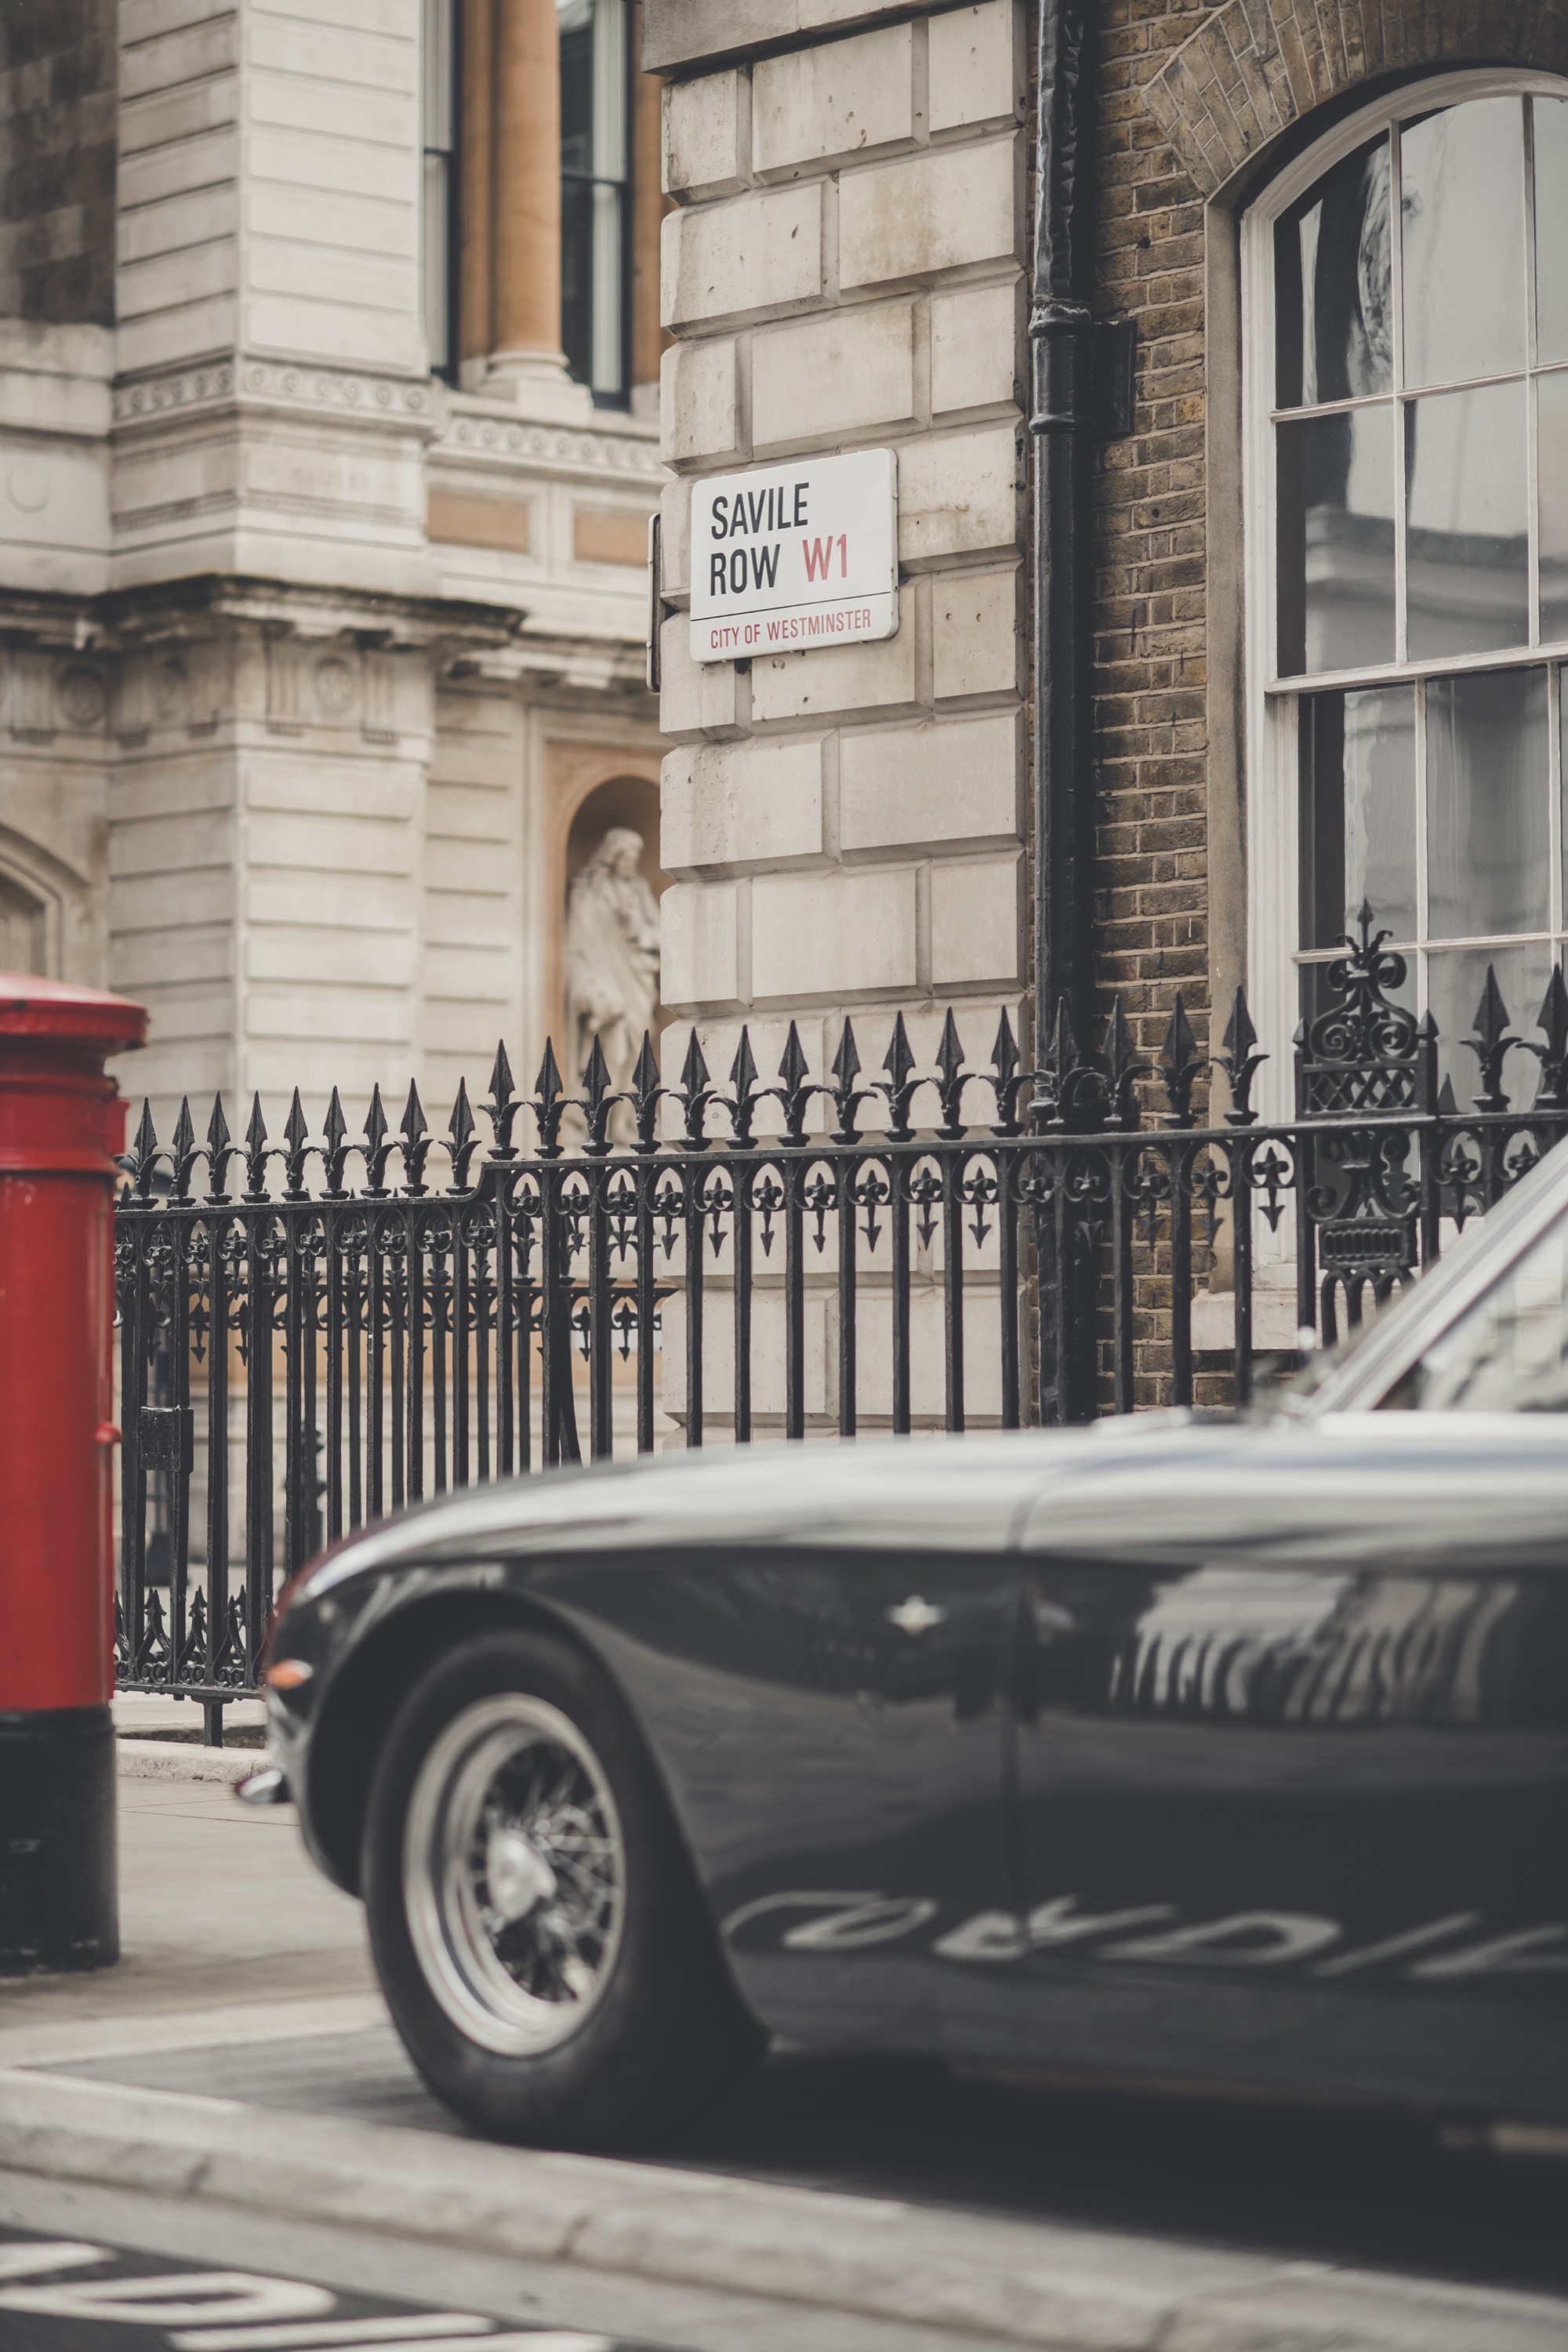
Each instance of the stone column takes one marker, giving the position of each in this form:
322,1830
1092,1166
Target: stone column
525,351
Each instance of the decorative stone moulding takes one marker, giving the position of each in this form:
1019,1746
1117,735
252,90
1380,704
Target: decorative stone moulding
480,437
313,387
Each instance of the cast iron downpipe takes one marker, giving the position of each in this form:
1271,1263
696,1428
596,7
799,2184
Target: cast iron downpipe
1062,338
1063,422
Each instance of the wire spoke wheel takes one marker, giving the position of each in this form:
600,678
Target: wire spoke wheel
514,1875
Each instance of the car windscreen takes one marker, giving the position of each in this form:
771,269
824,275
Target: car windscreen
1508,1352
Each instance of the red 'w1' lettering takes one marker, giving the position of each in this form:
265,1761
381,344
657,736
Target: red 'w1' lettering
818,553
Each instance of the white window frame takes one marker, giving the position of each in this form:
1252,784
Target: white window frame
1273,842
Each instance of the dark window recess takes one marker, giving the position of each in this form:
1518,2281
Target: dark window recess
595,195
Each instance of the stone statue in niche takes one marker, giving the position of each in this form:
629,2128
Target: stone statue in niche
611,963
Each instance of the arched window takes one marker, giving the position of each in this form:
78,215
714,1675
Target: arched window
1406,365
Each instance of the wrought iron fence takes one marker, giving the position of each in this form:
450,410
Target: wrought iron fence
944,1246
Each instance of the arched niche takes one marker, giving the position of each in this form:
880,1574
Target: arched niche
593,789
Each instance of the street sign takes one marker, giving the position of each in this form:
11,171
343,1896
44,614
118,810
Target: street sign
787,557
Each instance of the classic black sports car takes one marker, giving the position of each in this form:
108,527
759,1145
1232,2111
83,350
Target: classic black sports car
1231,1752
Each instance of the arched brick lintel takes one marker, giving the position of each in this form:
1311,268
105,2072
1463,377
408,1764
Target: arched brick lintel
1254,66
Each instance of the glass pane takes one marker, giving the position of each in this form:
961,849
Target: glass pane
1552,475
1466,501
438,87
1336,540
1551,217
576,90
610,88
577,276
1487,844
1357,812
436,232
1456,980
1509,1353
1462,219
1333,304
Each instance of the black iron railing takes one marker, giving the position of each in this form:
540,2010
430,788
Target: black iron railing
314,1332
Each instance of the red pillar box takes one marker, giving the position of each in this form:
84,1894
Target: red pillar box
60,1123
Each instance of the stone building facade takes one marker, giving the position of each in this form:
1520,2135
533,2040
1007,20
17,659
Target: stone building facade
328,350
1329,556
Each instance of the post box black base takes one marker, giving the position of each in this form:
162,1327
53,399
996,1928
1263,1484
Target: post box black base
59,1901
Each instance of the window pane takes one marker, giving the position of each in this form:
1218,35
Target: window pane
1336,540
577,276
1462,220
1332,284
576,89
1467,491
1487,842
1551,215
1357,812
1455,979
436,237
1551,475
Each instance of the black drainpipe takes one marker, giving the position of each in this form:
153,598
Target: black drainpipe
1082,392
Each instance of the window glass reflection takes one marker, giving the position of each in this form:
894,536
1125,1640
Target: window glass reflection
1551,484
1357,812
1467,493
1455,979
1333,278
1486,783
1462,221
1551,218
1336,540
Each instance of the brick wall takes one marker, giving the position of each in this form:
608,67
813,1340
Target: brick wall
57,100
1152,742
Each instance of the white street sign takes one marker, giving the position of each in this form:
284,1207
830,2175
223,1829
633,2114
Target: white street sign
787,557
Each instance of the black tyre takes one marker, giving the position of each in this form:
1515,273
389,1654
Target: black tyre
534,1917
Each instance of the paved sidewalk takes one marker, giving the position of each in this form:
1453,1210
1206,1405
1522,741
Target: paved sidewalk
240,2060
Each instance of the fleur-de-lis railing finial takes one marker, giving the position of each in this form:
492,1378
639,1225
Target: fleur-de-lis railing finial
899,1064
256,1153
951,1081
598,1099
797,1091
1240,1058
296,1134
696,1094
461,1129
336,1156
743,1086
502,1107
1180,1066
1489,1040
377,1148
846,1096
1553,1021
646,1094
220,1151
549,1104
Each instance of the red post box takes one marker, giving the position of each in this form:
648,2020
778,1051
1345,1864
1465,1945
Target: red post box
60,1123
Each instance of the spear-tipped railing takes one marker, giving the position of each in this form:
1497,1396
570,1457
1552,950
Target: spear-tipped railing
360,1321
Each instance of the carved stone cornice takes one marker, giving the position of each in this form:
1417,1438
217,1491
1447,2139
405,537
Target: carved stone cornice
154,400
467,433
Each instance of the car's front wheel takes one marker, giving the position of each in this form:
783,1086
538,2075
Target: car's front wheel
532,1913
